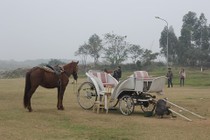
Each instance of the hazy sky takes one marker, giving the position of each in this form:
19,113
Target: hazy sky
33,29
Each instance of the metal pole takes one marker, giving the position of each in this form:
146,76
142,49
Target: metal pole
166,40
180,115
199,116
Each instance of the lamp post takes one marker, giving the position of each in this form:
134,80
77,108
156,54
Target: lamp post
166,39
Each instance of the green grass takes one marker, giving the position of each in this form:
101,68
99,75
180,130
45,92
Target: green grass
194,76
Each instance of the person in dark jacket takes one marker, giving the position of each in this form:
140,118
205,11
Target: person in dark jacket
117,73
163,109
169,75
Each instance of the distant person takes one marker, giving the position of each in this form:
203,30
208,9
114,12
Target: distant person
182,76
117,73
169,75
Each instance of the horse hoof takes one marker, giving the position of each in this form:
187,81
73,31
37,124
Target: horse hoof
60,108
30,110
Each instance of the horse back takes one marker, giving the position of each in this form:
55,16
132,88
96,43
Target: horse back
44,78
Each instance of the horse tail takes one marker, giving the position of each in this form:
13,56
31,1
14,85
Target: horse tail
27,88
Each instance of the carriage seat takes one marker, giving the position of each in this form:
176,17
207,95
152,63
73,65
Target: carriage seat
103,77
142,75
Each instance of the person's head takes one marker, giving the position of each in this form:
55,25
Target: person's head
119,67
169,69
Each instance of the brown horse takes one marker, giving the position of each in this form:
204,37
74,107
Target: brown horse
40,76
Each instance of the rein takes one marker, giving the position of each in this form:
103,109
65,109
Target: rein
68,75
64,71
74,83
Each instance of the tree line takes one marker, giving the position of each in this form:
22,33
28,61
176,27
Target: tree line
114,50
192,48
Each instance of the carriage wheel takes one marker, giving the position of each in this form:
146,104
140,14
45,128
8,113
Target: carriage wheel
148,106
126,105
114,103
86,95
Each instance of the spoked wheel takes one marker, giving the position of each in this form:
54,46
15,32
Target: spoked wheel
86,95
148,106
113,103
126,105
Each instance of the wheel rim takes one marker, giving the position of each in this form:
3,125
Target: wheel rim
126,105
148,106
86,95
114,103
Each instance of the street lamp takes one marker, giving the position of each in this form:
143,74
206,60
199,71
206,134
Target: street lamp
166,37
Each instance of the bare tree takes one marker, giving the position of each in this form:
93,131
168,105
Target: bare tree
115,49
95,47
135,52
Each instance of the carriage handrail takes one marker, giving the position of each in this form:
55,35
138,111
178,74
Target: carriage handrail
98,83
157,85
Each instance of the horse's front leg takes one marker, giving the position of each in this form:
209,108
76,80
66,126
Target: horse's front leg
60,98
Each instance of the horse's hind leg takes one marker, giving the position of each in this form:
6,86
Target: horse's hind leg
30,93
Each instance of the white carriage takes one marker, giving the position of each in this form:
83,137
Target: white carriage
135,90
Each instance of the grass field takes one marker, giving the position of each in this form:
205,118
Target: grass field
47,123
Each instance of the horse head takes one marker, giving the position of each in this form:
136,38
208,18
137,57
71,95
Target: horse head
71,68
75,71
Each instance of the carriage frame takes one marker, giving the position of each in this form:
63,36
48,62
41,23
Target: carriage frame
137,89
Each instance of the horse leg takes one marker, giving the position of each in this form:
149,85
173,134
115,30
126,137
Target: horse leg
30,93
60,98
59,103
62,93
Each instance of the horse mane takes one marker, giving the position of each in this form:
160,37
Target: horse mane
72,62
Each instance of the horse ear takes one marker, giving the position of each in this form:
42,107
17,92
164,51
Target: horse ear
77,62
